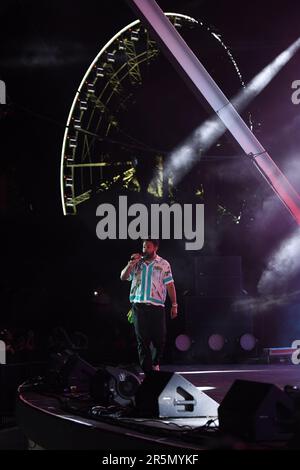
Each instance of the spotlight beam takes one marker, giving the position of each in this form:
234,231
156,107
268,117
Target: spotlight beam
264,77
183,157
201,83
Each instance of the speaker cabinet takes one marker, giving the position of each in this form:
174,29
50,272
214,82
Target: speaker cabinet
256,411
169,395
112,385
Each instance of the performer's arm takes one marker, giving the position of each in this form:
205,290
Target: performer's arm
172,294
125,273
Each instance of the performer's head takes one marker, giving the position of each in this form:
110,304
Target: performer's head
150,248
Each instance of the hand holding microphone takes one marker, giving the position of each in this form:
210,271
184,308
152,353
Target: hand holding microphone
136,256
134,259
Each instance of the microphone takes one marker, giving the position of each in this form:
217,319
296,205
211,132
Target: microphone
132,257
141,258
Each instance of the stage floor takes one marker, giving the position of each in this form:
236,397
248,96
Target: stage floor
128,431
216,380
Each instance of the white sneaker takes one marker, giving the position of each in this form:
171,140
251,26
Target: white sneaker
156,367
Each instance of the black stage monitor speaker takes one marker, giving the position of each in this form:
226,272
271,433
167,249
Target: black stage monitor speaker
256,411
112,385
169,395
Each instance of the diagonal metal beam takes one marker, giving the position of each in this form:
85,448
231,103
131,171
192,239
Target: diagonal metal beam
202,84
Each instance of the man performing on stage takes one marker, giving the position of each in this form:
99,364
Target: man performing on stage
151,278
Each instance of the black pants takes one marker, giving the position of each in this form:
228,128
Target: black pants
150,327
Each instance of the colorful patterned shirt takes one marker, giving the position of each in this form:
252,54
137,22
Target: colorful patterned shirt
149,280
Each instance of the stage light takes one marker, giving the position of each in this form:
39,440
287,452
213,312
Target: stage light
177,22
111,57
73,142
91,88
183,342
216,342
83,105
134,35
69,202
247,342
100,72
70,158
77,123
121,45
69,181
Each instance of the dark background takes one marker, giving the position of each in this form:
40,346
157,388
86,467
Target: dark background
51,265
